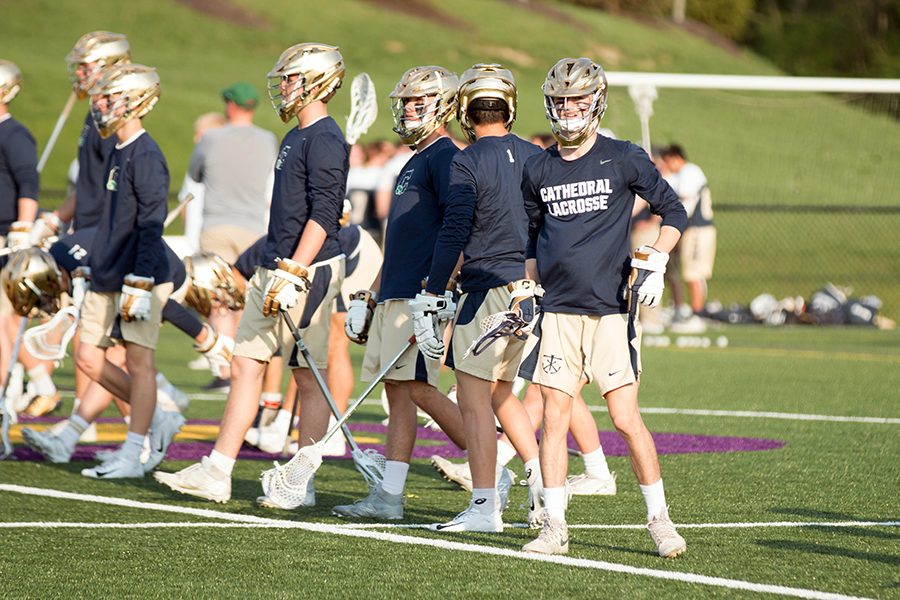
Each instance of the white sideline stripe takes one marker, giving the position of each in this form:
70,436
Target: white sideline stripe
444,544
159,525
636,526
758,415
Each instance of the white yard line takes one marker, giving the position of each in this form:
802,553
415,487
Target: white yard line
758,415
439,543
759,525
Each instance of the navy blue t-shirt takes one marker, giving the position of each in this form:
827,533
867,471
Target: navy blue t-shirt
414,221
580,220
129,237
310,182
18,170
93,156
74,251
251,258
485,216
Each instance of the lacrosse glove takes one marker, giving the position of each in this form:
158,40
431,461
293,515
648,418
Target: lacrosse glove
425,310
217,350
134,301
525,304
47,226
81,282
359,315
646,280
19,236
284,287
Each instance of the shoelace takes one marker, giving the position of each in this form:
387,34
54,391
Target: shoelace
661,528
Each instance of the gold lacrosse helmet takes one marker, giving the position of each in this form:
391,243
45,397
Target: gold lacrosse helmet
436,87
93,53
575,86
10,81
123,92
486,82
303,74
32,282
212,283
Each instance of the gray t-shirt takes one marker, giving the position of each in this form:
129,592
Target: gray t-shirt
235,163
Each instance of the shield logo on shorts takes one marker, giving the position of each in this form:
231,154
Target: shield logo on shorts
551,364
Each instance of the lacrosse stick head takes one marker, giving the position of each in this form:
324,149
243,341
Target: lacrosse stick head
370,464
494,327
10,81
212,283
363,107
50,340
32,282
422,101
286,485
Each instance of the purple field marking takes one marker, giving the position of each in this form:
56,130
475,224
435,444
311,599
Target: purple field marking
437,443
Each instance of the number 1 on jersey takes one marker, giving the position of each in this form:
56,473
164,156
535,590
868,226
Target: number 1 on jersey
509,152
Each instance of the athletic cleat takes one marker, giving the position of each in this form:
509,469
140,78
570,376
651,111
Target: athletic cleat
89,434
505,481
553,538
202,479
47,445
377,505
668,543
252,437
170,398
457,473
582,485
118,468
271,439
535,507
42,405
336,446
279,493
161,437
472,519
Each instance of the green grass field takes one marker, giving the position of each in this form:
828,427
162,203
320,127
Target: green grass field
827,472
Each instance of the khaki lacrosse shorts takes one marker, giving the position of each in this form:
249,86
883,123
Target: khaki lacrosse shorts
365,262
501,359
390,331
565,351
228,241
101,309
260,337
698,253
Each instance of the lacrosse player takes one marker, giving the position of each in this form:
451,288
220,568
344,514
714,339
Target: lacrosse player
301,270
128,262
422,102
579,196
484,218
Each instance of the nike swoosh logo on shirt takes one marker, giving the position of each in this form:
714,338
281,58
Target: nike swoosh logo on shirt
603,162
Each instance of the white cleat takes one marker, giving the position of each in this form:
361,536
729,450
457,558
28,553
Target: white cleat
535,506
505,480
161,438
278,493
272,439
337,444
377,505
582,485
48,445
252,437
457,473
553,538
170,398
201,479
472,519
668,543
118,468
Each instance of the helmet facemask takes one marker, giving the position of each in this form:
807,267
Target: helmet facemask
123,93
303,74
422,102
575,93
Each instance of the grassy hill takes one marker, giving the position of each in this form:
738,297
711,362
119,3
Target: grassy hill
759,148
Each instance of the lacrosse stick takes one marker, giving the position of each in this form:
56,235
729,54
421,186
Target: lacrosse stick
50,340
294,476
494,327
363,107
57,129
372,469
4,412
173,214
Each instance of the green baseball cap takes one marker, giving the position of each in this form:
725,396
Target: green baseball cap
243,94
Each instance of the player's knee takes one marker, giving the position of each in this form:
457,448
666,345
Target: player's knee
87,359
628,423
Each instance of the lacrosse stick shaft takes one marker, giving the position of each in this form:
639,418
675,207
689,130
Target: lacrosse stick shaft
45,155
304,350
173,214
4,414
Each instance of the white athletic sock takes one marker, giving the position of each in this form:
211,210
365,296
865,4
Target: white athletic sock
485,500
75,404
282,421
555,502
394,477
222,462
655,498
134,444
270,400
43,384
505,453
73,431
595,464
533,473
